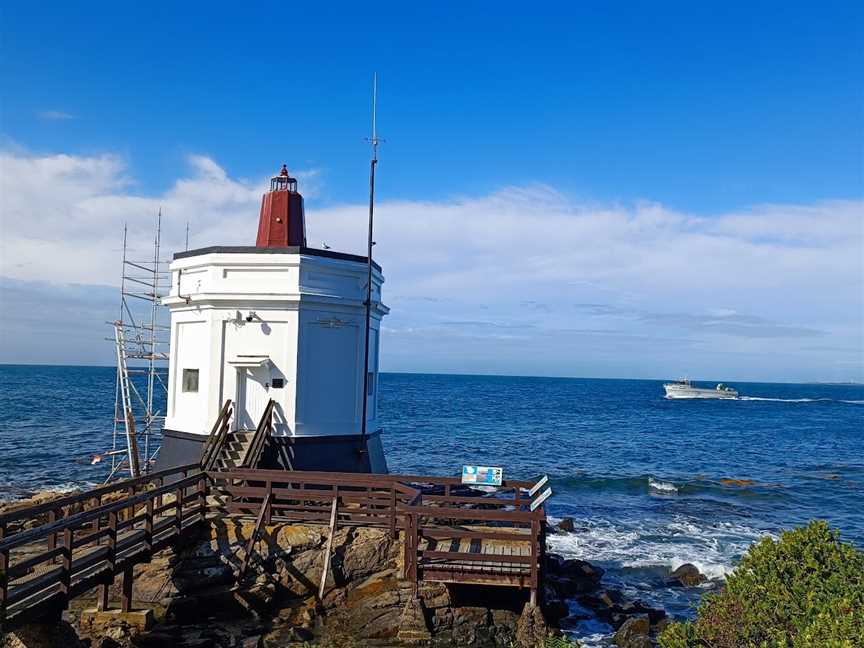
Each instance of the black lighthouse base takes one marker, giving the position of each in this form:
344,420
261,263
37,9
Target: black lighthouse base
344,453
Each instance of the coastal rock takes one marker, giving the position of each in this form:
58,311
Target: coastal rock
470,625
412,624
687,575
554,610
572,577
567,525
531,628
42,635
198,601
634,633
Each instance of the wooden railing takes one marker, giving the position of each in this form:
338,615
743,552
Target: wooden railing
57,509
218,435
368,500
259,439
38,574
498,539
495,539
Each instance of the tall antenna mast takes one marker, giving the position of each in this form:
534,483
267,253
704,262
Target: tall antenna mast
372,164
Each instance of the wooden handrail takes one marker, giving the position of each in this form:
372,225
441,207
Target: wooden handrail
71,576
394,502
29,512
217,437
30,535
253,538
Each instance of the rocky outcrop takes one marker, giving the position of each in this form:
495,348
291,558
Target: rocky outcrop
566,525
687,575
571,577
634,633
198,600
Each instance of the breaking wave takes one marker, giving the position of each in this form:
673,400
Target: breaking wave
661,546
663,487
723,487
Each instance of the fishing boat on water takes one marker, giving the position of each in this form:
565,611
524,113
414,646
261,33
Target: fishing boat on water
685,389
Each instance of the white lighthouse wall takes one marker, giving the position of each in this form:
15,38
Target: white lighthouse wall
271,335
308,320
189,349
330,366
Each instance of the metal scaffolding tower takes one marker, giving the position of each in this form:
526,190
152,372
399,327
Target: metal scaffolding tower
141,343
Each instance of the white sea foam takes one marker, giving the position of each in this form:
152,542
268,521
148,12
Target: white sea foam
10,493
713,548
666,488
783,400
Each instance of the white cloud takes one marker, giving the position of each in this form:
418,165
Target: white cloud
520,257
55,115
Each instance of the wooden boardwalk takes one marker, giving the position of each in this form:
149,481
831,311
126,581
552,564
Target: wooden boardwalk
86,540
42,568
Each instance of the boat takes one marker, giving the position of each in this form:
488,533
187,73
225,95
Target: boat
685,389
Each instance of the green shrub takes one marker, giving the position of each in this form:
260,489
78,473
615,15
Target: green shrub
804,591
554,641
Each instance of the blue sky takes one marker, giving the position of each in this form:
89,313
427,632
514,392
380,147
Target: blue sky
698,105
692,124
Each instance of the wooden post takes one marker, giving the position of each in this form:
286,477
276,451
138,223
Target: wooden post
393,511
148,528
66,574
406,548
52,538
4,570
102,597
112,542
178,511
329,548
535,541
414,551
130,511
126,594
268,514
202,497
94,503
542,575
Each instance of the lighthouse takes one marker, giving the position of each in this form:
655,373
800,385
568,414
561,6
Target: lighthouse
280,327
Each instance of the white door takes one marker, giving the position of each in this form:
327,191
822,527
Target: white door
253,384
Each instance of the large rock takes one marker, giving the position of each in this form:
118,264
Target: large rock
365,552
687,575
634,633
571,577
531,629
566,525
412,624
42,635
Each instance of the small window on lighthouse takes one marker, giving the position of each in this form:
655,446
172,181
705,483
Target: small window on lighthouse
370,383
190,380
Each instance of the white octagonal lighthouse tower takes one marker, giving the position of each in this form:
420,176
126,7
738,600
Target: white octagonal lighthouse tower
276,321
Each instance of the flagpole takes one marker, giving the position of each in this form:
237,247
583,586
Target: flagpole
369,243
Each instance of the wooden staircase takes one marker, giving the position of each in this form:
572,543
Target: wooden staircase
234,450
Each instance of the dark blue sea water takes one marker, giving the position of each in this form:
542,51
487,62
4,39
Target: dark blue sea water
643,477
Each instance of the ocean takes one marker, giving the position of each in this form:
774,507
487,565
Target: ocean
650,483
